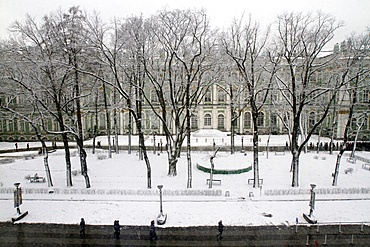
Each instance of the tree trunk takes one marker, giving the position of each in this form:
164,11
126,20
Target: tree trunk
188,155
115,122
146,159
95,130
68,160
173,158
79,136
295,166
46,165
129,104
256,176
107,115
353,100
233,119
83,162
337,165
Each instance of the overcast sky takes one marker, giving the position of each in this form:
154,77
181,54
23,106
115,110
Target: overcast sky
355,13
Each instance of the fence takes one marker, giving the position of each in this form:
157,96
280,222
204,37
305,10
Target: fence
149,192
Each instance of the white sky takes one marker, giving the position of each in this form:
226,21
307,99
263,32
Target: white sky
355,13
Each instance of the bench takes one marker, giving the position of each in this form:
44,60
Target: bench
251,180
366,166
280,153
37,179
351,160
213,180
348,170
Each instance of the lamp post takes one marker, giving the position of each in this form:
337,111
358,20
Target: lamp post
312,199
160,198
18,202
17,197
161,218
310,218
153,142
242,144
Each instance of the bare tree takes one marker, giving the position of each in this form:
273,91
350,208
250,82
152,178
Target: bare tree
45,78
352,68
245,45
13,105
119,50
301,39
73,35
52,53
179,63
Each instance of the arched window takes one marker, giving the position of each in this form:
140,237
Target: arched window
354,123
10,126
366,120
221,96
208,96
221,121
261,119
50,124
311,120
207,120
154,96
247,120
194,122
274,120
145,121
102,121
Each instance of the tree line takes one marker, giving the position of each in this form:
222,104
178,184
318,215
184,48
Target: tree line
59,69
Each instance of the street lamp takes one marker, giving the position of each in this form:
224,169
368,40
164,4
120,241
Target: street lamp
242,144
310,218
153,142
161,218
18,202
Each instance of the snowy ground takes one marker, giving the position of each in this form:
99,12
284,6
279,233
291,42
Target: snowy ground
118,188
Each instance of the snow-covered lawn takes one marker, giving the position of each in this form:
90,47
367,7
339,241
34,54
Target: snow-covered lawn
118,189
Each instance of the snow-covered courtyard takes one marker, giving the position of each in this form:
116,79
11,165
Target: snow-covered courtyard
118,188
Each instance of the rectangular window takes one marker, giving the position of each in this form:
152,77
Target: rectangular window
10,126
194,122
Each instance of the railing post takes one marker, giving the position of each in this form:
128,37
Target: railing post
325,240
307,243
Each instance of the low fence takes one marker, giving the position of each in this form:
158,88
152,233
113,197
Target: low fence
320,191
123,192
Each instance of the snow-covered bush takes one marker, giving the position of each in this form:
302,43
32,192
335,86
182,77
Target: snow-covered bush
102,157
6,160
348,170
28,156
